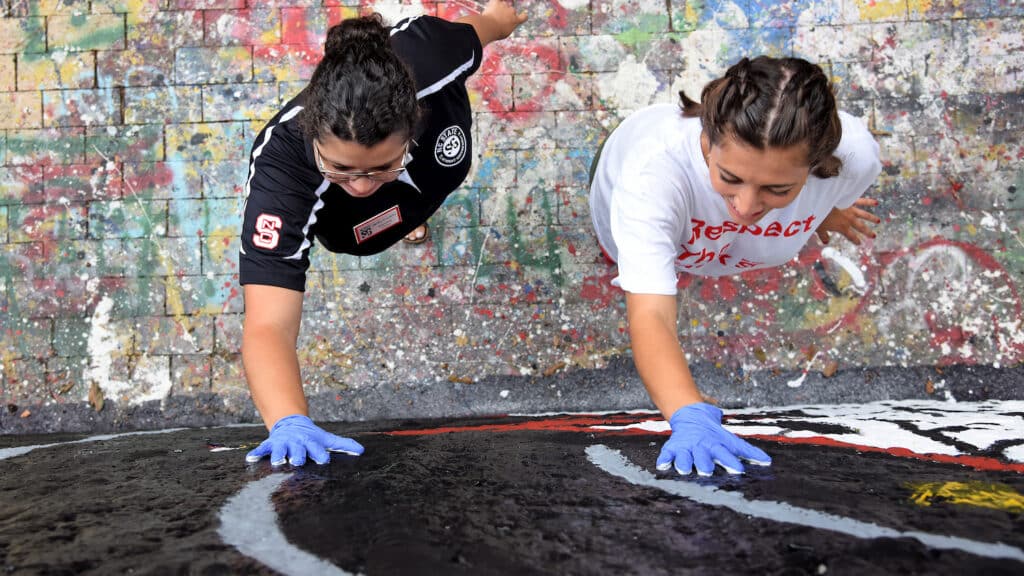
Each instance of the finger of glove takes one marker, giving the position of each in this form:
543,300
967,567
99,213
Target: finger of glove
257,453
279,453
665,458
296,453
684,462
317,453
726,459
703,461
346,445
750,453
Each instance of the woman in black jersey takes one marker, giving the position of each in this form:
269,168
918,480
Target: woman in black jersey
357,161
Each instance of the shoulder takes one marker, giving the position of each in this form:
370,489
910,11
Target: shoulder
858,149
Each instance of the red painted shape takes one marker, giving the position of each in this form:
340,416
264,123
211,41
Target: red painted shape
586,423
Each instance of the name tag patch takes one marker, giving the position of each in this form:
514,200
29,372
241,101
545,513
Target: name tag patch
373,226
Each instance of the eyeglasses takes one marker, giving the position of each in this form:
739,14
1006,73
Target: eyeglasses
376,175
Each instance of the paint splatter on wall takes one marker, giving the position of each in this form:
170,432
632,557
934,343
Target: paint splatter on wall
124,134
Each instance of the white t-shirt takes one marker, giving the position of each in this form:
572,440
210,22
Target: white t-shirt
656,213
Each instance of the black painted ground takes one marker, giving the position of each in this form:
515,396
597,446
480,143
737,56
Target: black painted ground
473,503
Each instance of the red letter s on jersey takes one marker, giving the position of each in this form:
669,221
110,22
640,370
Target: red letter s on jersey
267,235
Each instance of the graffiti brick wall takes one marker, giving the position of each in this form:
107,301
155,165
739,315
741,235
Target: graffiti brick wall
125,127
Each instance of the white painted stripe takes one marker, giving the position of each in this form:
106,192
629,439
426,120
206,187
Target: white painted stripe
436,86
248,522
19,450
614,463
259,150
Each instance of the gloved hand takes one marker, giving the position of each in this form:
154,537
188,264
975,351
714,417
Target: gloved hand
292,437
699,438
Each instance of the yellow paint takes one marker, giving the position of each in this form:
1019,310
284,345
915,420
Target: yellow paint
971,229
920,7
981,494
882,9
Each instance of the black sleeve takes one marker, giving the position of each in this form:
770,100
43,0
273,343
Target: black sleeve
279,210
435,48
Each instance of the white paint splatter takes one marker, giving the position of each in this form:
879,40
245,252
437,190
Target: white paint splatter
504,393
102,344
631,87
574,4
844,262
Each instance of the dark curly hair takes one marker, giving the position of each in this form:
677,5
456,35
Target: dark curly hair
360,91
773,102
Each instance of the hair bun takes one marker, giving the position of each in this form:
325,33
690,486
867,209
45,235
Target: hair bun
364,34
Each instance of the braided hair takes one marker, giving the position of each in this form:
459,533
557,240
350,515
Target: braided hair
773,103
360,91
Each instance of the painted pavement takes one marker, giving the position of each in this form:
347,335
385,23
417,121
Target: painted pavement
915,486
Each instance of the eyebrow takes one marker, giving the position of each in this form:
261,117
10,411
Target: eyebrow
735,177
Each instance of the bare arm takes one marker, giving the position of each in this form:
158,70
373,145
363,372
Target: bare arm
656,351
498,20
269,335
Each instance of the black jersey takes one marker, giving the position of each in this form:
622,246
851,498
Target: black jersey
289,203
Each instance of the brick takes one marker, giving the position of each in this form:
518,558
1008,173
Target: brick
81,182
195,218
18,261
593,53
517,130
546,18
22,35
23,381
553,92
491,92
225,179
164,105
52,146
289,90
220,254
213,65
47,222
492,168
227,333
47,7
71,337
65,376
285,63
134,296
81,107
128,218
248,27
551,168
228,377
461,208
166,30
300,25
162,180
27,337
321,260
1006,9
7,80
206,4
3,240
590,129
58,70
63,297
134,67
625,16
79,33
135,143
135,7
163,256
253,101
94,257
22,184
207,141
876,11
210,295
170,335
190,373
948,9
20,110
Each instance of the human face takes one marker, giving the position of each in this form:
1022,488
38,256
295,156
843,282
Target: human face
358,169
753,181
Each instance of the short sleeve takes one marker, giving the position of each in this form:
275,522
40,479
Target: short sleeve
859,153
436,50
278,212
647,212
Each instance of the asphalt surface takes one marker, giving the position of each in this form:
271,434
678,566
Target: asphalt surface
890,487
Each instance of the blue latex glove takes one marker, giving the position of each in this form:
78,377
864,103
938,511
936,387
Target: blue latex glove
698,438
293,437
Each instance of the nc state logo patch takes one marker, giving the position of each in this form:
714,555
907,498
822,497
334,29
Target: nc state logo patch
450,148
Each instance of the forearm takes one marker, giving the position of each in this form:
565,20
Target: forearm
272,372
660,361
486,28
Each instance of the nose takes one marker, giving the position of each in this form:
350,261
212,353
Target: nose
747,202
362,185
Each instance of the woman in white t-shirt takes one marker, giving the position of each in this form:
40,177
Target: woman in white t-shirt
737,182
